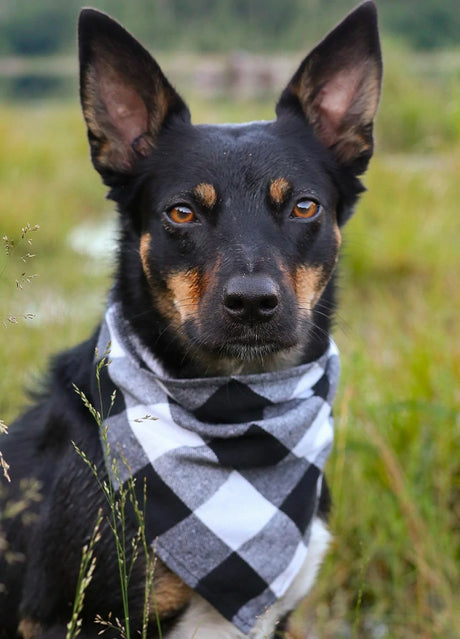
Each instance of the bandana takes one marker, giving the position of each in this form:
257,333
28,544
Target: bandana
231,466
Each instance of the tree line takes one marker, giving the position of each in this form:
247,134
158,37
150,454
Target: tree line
28,27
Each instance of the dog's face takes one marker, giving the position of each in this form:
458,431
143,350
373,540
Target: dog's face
239,236
231,232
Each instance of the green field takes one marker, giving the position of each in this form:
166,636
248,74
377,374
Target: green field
394,568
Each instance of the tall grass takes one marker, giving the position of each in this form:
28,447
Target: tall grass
126,548
394,567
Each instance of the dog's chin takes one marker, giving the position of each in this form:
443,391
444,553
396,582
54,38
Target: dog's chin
246,350
246,358
243,352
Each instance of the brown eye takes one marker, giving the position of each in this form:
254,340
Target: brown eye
306,209
181,214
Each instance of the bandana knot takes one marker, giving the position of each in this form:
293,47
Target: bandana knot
232,467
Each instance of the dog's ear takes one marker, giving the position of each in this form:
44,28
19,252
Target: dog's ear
337,88
125,97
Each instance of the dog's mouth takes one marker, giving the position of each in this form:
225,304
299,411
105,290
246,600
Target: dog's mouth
244,356
249,352
252,326
244,342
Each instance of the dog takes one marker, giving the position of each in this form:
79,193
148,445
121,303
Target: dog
226,270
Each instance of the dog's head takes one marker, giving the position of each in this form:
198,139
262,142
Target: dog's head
230,233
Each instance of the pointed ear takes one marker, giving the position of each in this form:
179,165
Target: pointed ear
125,97
337,87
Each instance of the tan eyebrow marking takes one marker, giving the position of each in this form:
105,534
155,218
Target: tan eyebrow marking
205,194
279,190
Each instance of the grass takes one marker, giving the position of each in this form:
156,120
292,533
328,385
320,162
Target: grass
127,549
393,570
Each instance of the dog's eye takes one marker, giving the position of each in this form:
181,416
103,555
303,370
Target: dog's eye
306,209
181,214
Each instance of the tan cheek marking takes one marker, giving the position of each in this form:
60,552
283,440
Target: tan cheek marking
186,291
206,195
180,300
29,629
310,283
164,299
279,190
170,592
144,249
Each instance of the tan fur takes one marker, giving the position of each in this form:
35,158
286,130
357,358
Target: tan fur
179,302
279,190
338,238
309,283
164,299
30,629
206,195
166,305
144,249
186,290
170,593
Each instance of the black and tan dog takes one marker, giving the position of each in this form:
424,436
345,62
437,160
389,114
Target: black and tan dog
229,240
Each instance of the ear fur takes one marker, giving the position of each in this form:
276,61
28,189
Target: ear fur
337,87
125,97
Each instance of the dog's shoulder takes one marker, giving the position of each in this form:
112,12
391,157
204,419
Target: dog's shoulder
41,437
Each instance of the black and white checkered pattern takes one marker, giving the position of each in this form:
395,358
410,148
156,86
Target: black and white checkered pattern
232,466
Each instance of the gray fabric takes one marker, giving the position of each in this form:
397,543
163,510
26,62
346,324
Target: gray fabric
233,468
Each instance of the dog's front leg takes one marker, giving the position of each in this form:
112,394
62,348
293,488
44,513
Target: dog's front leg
29,629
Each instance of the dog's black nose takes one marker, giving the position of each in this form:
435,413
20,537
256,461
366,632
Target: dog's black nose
251,298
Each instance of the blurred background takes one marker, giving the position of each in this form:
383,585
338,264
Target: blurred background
37,39
394,567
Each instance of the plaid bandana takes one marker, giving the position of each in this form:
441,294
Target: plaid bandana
232,467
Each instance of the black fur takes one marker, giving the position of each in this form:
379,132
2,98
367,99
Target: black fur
152,158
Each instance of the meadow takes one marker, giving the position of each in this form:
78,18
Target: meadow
394,567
